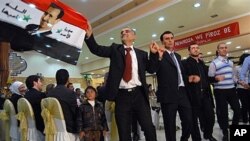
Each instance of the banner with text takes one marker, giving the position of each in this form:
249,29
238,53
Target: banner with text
47,26
227,31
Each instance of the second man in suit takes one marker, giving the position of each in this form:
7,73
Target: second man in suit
171,86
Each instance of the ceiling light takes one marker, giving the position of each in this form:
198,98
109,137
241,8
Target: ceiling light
161,19
67,56
154,35
245,51
47,57
86,58
238,47
92,73
184,57
48,46
197,4
39,51
103,70
58,60
111,38
209,52
228,43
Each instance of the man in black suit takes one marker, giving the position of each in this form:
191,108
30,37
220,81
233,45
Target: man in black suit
50,17
200,94
35,95
126,83
171,86
67,99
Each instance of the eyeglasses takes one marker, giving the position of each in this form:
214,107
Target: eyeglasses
126,31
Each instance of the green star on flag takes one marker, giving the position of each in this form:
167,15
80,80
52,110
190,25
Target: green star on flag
26,18
59,31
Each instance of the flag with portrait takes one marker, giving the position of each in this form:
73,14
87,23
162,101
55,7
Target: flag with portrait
46,26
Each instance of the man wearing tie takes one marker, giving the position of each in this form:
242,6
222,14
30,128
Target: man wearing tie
126,84
171,86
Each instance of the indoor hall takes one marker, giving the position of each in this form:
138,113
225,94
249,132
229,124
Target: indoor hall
207,22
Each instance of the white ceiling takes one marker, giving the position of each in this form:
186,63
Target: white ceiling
144,18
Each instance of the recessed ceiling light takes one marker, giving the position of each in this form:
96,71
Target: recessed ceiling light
86,58
181,26
154,35
197,4
103,70
238,47
48,46
39,51
67,56
209,52
245,51
184,57
58,60
228,43
111,38
161,19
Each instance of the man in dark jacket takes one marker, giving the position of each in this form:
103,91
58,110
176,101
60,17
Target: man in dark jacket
67,99
34,95
126,84
199,93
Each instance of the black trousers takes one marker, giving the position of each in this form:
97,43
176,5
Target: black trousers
169,111
222,98
205,112
130,103
244,96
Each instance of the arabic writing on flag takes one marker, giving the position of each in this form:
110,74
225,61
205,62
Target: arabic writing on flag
47,26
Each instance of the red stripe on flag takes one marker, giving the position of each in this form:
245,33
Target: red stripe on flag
70,15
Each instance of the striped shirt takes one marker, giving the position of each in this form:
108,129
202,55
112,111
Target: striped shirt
222,66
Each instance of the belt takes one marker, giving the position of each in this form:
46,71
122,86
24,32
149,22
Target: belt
130,89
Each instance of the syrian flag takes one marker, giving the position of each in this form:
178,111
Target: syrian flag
47,26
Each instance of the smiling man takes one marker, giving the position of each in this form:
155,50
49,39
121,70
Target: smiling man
126,83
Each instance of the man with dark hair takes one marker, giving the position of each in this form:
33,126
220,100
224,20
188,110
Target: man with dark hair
199,92
67,99
70,86
35,95
171,92
50,17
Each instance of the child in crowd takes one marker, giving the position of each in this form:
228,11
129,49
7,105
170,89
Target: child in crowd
94,122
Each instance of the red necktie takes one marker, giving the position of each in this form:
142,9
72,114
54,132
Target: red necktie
127,75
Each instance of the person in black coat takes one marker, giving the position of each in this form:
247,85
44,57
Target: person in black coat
128,90
171,91
35,95
199,93
67,99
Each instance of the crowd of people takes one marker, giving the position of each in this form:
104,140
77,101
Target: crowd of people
114,111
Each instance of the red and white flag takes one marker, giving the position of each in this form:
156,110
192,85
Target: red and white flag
47,26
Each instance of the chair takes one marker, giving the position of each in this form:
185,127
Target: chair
55,127
27,121
8,114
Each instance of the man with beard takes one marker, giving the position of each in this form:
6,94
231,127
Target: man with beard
199,93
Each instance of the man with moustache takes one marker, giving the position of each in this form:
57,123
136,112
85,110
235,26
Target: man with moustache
50,17
199,93
171,92
126,83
